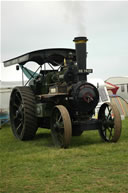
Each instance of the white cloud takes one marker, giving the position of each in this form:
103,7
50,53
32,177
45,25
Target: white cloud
31,25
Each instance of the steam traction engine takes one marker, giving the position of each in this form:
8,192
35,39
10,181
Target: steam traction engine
60,99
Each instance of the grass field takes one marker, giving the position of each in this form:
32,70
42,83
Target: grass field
89,165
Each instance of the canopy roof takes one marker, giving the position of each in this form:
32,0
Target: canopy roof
111,87
54,56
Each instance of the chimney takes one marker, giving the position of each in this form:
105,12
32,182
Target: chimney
81,54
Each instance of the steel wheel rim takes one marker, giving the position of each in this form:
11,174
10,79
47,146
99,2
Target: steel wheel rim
58,127
111,122
61,127
17,113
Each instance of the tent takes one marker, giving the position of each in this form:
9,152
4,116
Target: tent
111,87
121,104
5,91
122,84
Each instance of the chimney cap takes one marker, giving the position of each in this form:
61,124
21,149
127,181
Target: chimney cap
81,38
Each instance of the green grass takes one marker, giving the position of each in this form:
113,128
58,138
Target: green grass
89,165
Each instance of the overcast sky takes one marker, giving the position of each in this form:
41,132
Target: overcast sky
32,25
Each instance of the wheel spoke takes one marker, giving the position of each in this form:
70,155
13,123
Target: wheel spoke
19,128
109,113
109,133
60,118
19,112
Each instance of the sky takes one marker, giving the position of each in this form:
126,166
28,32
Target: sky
32,25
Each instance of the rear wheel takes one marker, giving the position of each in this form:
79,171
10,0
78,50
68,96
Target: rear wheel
23,113
111,122
61,128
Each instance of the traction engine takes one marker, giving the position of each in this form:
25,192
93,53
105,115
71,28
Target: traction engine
60,98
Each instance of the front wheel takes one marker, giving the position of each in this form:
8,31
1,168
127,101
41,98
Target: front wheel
61,128
111,122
